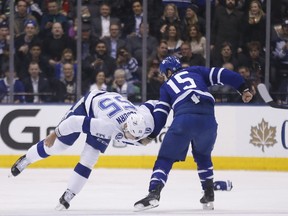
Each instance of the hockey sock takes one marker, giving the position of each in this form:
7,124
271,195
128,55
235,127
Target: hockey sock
79,178
204,168
36,152
160,173
89,157
40,151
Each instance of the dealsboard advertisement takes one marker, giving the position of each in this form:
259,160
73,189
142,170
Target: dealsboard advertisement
249,137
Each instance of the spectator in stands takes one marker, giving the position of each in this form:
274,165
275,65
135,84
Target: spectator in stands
88,42
256,63
4,46
191,18
67,57
53,16
4,11
120,8
21,16
36,84
280,55
99,82
226,55
254,24
69,82
170,16
134,44
155,11
5,88
226,26
197,41
85,23
35,55
133,21
33,8
114,42
54,44
189,57
100,25
282,97
154,80
23,41
91,5
180,4
161,52
129,64
174,41
122,86
99,60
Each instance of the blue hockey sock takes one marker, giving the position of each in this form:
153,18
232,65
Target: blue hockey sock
160,173
204,168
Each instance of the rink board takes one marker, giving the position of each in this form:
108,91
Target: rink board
143,162
249,137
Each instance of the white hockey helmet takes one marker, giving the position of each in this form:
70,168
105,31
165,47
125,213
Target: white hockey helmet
136,125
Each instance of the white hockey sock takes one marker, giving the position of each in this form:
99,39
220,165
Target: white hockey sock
76,183
79,177
34,155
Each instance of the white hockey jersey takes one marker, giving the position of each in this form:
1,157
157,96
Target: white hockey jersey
104,117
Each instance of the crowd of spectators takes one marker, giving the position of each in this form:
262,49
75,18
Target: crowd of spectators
46,33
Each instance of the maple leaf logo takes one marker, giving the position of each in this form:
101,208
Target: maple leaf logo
263,135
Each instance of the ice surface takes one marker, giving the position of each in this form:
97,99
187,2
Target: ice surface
35,192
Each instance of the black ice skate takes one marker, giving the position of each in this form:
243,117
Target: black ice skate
208,197
64,201
19,165
150,201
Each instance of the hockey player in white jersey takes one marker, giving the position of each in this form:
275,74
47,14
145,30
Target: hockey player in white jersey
103,117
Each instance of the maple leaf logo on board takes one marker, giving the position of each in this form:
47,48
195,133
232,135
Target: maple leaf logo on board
263,135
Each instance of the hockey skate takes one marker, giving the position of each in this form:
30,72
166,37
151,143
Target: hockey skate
19,165
150,201
208,198
64,201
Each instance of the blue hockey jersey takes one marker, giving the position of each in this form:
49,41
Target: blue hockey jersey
186,91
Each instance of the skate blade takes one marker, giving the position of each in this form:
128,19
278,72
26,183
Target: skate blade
208,206
60,207
141,207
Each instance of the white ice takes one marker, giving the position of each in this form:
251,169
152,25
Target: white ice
35,192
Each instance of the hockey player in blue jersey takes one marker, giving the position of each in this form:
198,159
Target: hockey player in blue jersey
103,117
185,90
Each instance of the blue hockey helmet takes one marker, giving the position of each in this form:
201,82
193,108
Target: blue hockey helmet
172,63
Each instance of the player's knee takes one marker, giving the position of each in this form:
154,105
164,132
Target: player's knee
89,156
57,148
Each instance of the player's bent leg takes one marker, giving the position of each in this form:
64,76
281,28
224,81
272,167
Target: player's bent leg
35,153
205,173
79,176
158,179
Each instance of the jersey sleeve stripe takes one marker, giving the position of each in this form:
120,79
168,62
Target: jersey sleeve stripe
164,103
161,110
211,75
219,76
